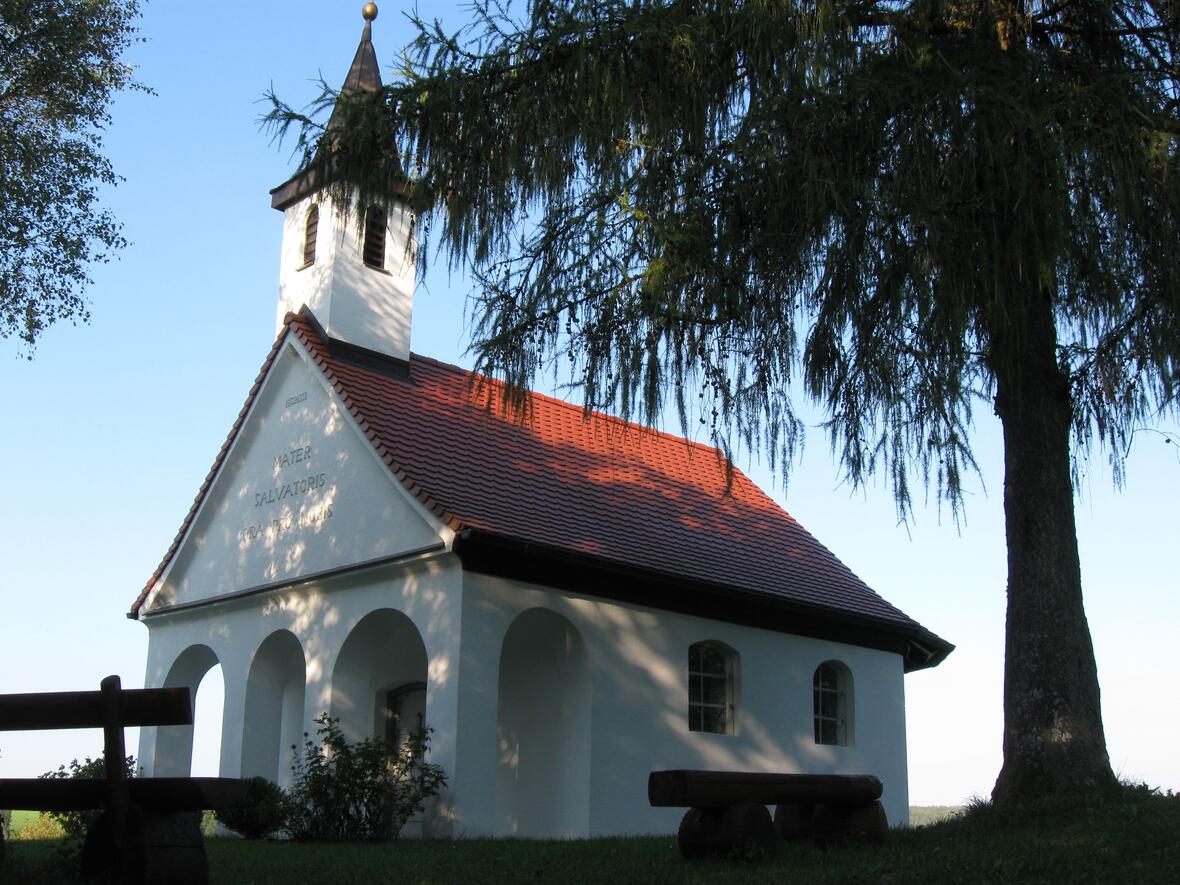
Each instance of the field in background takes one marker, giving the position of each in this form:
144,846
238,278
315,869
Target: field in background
925,815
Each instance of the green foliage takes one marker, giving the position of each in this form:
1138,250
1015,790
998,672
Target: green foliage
893,213
60,67
344,790
75,823
668,197
261,814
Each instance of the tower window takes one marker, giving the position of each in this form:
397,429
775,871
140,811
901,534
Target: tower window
310,229
373,252
711,706
832,704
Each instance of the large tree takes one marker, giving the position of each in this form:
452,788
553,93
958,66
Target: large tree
897,211
60,66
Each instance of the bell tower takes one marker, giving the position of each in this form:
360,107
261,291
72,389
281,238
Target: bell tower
356,276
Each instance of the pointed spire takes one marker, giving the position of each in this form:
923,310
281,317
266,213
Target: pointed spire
364,73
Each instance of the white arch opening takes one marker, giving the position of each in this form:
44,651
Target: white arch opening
272,733
543,729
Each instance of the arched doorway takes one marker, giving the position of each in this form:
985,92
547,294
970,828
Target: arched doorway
543,729
382,662
274,708
174,743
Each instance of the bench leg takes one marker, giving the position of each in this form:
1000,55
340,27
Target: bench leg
793,822
744,830
700,831
838,824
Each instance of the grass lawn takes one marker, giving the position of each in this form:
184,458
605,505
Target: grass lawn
1132,839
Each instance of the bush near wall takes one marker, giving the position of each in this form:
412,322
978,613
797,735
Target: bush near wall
363,790
261,813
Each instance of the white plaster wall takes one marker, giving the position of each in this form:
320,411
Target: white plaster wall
321,614
299,493
365,306
638,661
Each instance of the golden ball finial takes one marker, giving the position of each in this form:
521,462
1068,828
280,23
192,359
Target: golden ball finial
369,12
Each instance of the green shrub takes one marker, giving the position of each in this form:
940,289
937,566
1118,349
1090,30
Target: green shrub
75,823
260,814
363,790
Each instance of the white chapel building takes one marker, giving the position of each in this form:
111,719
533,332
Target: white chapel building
569,602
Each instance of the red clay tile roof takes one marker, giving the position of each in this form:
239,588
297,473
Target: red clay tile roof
598,486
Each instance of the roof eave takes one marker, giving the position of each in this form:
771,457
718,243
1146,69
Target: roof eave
574,571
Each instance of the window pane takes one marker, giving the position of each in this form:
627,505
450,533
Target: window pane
825,677
714,690
694,689
712,660
828,708
827,731
714,720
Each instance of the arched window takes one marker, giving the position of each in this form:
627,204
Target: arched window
711,703
310,229
374,247
832,693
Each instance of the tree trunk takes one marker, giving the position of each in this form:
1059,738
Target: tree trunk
1053,738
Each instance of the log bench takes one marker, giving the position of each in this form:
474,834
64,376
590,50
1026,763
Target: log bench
149,829
727,810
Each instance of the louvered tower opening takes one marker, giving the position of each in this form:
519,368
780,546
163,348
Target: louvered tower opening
310,229
374,249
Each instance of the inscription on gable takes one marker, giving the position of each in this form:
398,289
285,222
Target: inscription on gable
289,484
301,493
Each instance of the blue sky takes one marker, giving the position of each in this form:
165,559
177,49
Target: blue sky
109,431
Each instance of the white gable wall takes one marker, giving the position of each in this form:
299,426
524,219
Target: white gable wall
300,493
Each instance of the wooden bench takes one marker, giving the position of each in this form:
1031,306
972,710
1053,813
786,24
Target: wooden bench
727,812
149,828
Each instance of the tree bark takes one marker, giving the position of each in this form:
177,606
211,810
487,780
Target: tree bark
1054,742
